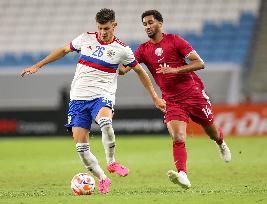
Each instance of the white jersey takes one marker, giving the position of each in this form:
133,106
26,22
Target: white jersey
96,72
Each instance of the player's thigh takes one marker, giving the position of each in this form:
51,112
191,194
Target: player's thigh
104,112
175,111
79,115
201,113
177,130
80,135
102,108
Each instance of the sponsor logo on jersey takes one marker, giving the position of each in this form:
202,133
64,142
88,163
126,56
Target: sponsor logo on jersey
160,59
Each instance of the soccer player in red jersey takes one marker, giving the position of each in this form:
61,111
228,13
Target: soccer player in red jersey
164,55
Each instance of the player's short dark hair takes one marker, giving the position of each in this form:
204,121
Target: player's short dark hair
156,14
105,15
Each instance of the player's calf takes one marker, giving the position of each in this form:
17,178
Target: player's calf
108,138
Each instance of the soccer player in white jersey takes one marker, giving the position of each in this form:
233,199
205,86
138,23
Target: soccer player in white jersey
93,88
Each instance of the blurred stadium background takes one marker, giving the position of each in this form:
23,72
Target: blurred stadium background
230,35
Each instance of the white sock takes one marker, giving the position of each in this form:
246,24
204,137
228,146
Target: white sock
89,160
108,138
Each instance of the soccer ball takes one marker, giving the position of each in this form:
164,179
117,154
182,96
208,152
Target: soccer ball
83,184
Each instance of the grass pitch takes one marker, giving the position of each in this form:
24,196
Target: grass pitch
34,170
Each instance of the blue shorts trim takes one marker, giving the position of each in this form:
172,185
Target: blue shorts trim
81,113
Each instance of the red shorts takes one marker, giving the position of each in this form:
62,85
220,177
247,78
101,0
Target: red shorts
197,107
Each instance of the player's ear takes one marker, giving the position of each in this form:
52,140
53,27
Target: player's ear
160,24
115,24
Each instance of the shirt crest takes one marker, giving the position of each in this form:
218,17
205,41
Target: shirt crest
110,53
159,51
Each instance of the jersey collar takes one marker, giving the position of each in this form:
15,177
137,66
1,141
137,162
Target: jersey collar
105,43
163,36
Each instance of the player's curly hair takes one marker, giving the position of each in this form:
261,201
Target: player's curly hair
156,14
105,15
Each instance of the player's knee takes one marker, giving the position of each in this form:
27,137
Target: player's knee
105,123
80,135
178,136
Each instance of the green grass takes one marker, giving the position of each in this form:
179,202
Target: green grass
34,170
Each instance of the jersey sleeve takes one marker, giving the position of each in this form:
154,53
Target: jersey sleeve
129,59
182,46
137,55
76,44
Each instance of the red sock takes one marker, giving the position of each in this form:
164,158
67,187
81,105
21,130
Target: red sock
220,140
179,156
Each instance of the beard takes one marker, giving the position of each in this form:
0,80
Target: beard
151,35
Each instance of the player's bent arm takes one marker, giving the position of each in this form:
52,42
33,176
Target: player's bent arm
144,78
53,56
196,63
122,70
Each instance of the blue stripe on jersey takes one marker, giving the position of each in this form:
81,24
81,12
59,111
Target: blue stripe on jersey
132,64
98,61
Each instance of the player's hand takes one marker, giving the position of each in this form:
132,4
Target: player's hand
30,70
166,70
160,104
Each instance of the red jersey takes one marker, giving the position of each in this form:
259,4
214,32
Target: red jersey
170,51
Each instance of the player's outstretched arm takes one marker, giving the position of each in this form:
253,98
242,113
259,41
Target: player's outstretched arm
143,76
196,63
53,56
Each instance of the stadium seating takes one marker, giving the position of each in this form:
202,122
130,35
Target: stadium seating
221,31
225,42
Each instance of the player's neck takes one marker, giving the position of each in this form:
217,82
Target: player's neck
157,38
111,39
106,42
